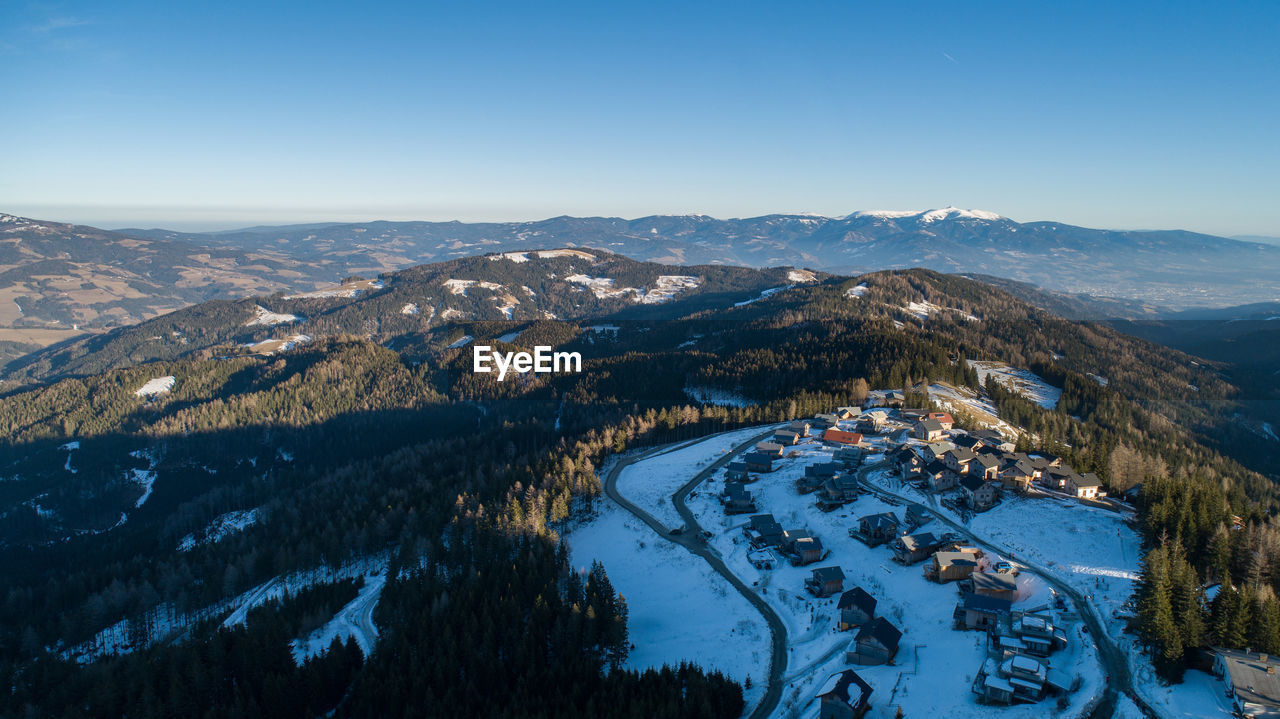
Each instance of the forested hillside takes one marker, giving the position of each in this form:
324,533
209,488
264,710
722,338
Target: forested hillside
130,523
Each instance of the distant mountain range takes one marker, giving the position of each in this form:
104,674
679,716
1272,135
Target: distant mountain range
54,276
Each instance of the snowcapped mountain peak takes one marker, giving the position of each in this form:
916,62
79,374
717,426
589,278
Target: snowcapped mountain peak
927,216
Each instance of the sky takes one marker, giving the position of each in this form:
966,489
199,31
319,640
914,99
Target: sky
214,115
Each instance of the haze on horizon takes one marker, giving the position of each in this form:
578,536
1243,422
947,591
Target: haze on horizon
146,114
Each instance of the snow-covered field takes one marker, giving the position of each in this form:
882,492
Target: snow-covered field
763,295
221,527
410,308
965,400
679,608
155,386
349,289
460,342
800,276
353,620
650,484
274,345
265,317
935,664
857,291
666,287
1024,382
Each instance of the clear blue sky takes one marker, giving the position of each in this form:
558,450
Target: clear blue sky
1129,115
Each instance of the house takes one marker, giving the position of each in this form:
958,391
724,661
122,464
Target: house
806,550
980,494
809,482
912,415
917,547
1038,635
773,449
928,429
737,500
757,462
985,465
737,472
1055,477
825,581
976,611
847,412
936,451
843,696
917,515
943,419
837,492
786,437
876,529
1252,681
1085,486
993,584
800,427
823,421
876,643
968,441
1027,676
950,566
873,422
1131,494
906,461
763,531
1017,475
839,436
850,457
939,477
958,459
856,608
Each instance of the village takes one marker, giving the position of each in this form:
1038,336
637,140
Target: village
1028,652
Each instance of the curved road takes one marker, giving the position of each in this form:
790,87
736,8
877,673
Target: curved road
1113,660
692,540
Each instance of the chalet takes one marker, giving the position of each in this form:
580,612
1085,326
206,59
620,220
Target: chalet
1027,676
876,643
1043,461
914,548
824,421
985,465
825,581
786,437
1056,477
837,492
773,449
824,470
764,531
847,412
980,494
891,398
988,436
1017,475
757,462
958,459
993,688
953,565
856,608
936,451
737,500
978,612
1085,486
939,477
806,550
1252,681
943,419
992,584
809,482
876,529
843,696
850,457
1037,634
969,442
800,427
908,464
737,472
928,430
839,436
917,515
1131,494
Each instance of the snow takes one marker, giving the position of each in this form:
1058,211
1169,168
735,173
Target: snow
1199,696
650,484
508,305
711,395
1270,431
928,216
146,478
766,293
516,257
547,254
666,287
1102,381
460,342
459,287
221,527
156,386
922,310
410,308
70,447
265,317
353,620
935,664
1024,382
601,287
953,398
857,291
272,346
510,336
801,276
679,609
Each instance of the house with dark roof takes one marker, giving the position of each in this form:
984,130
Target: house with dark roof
913,548
757,462
737,472
985,465
737,500
856,608
1017,475
764,531
928,429
968,441
1252,681
849,456
938,477
825,581
800,427
786,437
876,643
980,494
976,611
844,695
848,412
773,449
1084,486
876,529
958,459
993,584
917,515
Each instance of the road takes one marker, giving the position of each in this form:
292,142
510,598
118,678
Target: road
692,540
1113,659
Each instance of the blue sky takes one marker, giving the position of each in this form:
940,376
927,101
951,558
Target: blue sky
1156,115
